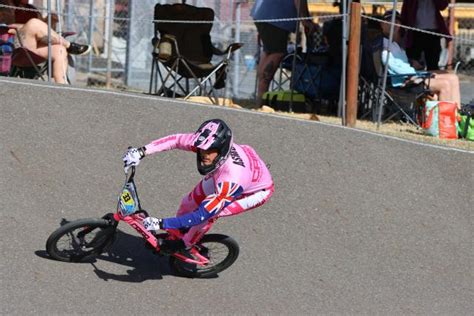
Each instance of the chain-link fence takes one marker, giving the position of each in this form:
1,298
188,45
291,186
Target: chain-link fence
464,41
463,32
120,33
132,31
121,45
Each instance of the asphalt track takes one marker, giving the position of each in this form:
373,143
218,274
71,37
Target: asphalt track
359,223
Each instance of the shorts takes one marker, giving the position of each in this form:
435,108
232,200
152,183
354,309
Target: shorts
274,39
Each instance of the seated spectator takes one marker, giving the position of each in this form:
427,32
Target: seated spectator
445,85
33,35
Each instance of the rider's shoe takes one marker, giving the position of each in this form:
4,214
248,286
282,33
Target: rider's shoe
168,246
78,49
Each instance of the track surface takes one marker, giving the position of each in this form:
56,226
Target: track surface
359,223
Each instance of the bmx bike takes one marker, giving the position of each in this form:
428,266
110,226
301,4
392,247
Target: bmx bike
82,239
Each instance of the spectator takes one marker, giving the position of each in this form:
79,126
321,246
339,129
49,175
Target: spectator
274,35
425,15
445,85
33,35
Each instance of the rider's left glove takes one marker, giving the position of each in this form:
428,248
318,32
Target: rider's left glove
152,223
132,157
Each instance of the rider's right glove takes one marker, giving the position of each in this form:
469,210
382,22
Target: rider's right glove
132,157
152,223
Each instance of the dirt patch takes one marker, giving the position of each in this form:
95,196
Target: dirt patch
396,129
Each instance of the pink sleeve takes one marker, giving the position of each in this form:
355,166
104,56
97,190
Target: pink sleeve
176,141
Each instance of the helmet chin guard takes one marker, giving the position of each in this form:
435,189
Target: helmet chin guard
213,134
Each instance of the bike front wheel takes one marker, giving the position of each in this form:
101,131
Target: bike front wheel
80,239
221,250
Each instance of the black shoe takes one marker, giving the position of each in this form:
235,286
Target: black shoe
78,49
171,246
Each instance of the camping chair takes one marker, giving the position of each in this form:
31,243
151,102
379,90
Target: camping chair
20,62
6,50
184,52
26,64
400,102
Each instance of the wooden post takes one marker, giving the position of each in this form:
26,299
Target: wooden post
353,64
451,32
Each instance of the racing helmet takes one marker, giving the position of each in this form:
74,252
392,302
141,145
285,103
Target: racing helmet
213,134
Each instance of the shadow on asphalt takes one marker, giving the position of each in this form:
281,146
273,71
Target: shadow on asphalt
130,251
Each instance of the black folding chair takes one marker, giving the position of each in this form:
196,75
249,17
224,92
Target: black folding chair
183,51
400,102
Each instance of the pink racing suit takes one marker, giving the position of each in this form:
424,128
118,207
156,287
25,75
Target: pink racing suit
242,183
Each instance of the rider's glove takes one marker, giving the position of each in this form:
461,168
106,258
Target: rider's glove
152,223
132,157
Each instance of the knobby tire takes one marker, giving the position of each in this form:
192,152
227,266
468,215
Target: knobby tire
223,243
100,235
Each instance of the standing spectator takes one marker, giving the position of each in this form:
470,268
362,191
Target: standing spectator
274,35
425,15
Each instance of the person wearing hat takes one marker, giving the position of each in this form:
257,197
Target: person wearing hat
445,85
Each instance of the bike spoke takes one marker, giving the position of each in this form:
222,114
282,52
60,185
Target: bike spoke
77,244
216,253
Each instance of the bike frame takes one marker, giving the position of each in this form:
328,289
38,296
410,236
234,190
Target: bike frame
136,218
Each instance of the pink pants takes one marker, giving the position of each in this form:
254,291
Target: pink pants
204,188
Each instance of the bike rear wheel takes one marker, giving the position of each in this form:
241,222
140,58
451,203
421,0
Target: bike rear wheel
80,239
221,250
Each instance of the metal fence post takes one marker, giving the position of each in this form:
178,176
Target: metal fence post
50,67
385,72
235,85
91,33
110,33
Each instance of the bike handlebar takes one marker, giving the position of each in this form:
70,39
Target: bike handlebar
130,174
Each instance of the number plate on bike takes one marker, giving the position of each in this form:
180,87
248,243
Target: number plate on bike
128,200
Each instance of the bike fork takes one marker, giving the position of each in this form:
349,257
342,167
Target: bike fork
138,226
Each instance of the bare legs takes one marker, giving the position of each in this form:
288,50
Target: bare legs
269,63
34,36
446,85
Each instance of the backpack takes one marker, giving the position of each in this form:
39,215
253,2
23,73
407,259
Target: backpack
6,50
466,122
439,119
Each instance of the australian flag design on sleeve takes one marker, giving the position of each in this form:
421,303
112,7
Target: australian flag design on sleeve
226,193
